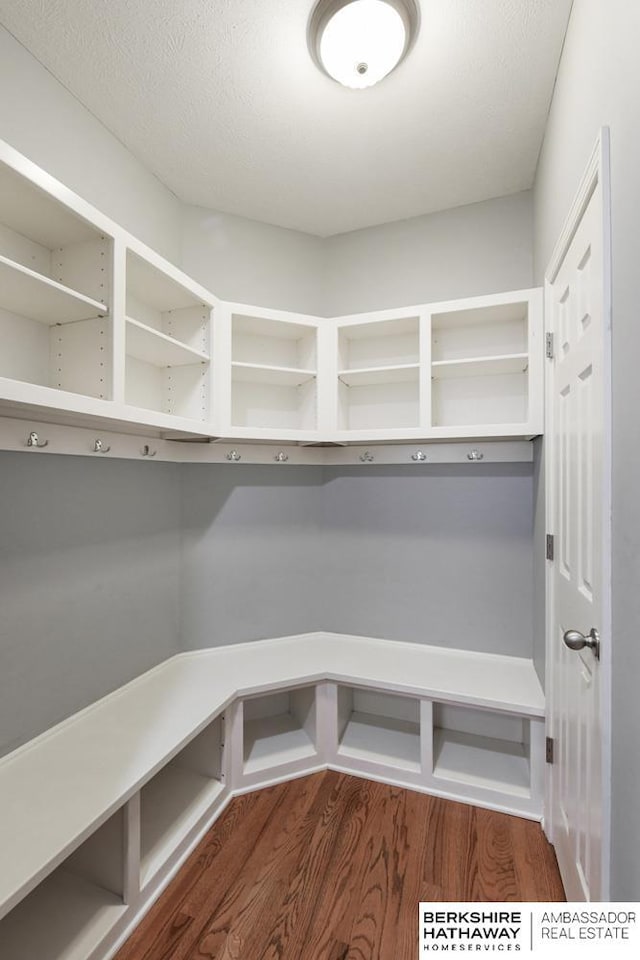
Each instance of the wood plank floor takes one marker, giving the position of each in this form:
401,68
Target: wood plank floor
332,867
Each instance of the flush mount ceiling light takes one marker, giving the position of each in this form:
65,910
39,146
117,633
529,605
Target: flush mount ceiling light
358,42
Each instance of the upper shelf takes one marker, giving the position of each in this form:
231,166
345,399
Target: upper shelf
159,349
259,373
369,376
32,295
479,366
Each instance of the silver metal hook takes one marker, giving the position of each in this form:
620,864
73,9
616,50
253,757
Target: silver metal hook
33,440
234,456
147,451
419,456
366,457
99,447
281,457
475,455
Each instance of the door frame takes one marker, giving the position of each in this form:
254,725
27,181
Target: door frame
596,174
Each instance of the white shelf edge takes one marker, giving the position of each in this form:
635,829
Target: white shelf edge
164,341
46,287
268,373
370,376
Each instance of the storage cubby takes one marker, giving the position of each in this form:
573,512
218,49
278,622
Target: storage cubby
379,375
176,799
379,728
479,748
279,728
273,373
479,365
69,914
55,276
167,343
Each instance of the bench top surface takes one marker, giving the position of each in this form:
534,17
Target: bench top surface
56,789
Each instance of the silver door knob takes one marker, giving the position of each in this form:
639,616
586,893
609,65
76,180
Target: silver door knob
577,641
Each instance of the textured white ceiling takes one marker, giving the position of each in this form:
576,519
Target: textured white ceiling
221,100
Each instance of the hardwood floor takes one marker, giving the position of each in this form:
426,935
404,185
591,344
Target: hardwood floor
331,867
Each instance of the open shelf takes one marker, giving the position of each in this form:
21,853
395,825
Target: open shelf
178,797
279,376
381,343
157,348
273,405
482,749
380,405
370,376
379,728
279,728
69,914
496,330
480,366
464,400
31,295
267,343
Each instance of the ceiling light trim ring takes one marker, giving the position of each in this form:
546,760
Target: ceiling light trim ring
325,10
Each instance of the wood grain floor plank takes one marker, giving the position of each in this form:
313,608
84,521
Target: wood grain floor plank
332,867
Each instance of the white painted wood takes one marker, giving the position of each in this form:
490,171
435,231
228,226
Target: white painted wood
132,850
480,761
259,373
29,294
66,918
377,375
578,508
172,805
480,366
157,348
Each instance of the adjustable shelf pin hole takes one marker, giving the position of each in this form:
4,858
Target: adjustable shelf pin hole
33,440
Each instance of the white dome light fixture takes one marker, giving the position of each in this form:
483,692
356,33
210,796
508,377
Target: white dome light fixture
358,42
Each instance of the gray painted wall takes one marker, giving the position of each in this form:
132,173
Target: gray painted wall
439,554
468,251
598,85
89,582
252,553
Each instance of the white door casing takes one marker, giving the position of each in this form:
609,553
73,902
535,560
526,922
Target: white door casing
578,515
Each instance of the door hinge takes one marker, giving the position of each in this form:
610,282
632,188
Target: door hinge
549,546
548,346
549,750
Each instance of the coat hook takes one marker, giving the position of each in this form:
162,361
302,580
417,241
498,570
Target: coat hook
147,451
99,447
281,457
419,456
366,457
33,440
475,455
234,456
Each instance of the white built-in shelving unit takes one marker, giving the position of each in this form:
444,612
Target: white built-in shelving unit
168,343
95,327
55,291
274,376
379,728
204,726
279,729
175,800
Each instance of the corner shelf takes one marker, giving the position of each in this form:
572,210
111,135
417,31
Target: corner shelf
279,728
176,799
379,728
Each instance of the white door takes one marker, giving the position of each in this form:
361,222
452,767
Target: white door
577,443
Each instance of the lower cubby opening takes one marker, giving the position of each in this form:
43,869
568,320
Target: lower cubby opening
274,405
482,749
473,400
386,405
279,728
181,391
380,728
70,913
175,800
